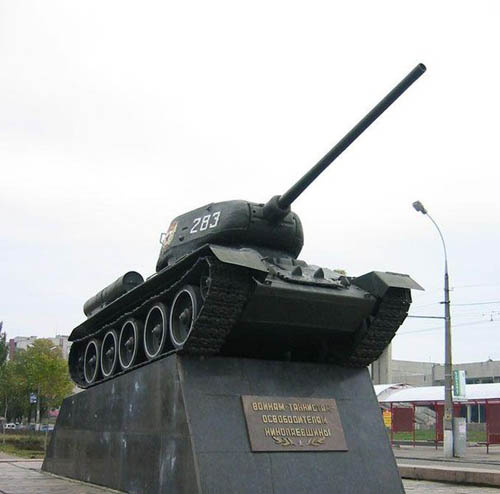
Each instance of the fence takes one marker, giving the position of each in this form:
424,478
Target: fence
403,423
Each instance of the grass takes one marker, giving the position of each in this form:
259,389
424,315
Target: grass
22,445
22,453
429,435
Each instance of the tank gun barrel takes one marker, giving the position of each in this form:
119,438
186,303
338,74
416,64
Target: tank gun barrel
283,202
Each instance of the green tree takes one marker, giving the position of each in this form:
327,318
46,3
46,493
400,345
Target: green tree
42,369
12,393
4,349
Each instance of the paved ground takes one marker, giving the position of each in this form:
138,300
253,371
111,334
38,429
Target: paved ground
424,487
25,477
475,456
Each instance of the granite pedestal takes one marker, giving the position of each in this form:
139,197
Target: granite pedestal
177,426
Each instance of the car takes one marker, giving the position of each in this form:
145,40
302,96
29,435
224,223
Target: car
47,428
10,426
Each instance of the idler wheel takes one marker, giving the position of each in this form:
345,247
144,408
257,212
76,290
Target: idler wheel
75,362
109,353
155,331
183,313
128,343
91,360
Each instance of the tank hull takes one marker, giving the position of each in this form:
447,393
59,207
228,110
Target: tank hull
259,307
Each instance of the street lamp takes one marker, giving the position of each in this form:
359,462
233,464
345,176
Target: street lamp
448,382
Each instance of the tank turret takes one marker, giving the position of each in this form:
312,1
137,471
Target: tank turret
229,282
266,227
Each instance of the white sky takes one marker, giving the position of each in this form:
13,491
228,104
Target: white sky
117,116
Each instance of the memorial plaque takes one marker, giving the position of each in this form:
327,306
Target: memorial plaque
277,423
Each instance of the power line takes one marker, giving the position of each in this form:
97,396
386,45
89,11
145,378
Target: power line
473,323
425,305
458,305
437,288
476,286
425,317
459,317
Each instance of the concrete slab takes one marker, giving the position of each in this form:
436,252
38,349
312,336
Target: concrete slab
424,463
425,487
447,473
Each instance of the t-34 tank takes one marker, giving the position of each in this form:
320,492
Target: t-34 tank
228,282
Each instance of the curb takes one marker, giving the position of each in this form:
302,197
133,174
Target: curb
21,460
451,474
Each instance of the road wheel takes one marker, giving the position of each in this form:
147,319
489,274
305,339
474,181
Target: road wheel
109,353
155,331
91,361
129,343
183,313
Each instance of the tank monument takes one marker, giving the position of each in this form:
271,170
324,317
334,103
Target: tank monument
236,367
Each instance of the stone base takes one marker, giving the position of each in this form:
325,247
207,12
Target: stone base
177,425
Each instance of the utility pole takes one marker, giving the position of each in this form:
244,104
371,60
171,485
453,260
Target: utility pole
37,422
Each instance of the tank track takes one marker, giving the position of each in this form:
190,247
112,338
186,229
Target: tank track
228,290
370,342
228,293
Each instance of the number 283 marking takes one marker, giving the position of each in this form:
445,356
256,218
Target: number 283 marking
204,222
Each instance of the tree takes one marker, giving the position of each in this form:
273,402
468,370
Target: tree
4,349
40,369
11,392
44,371
5,375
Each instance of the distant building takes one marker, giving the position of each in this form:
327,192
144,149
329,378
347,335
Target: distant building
420,374
412,373
432,373
475,372
23,342
19,343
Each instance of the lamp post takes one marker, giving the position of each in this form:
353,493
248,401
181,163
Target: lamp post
448,374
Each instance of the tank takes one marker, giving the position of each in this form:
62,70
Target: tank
229,282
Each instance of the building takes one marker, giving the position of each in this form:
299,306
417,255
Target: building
23,342
412,373
475,372
481,405
432,373
423,374
19,343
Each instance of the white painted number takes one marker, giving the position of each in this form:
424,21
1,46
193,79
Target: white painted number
204,222
215,219
196,222
207,221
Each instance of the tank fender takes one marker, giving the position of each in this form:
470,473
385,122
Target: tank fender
378,282
247,258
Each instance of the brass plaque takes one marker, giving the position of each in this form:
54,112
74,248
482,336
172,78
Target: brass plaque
293,424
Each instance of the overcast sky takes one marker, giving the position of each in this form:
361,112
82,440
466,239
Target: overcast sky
116,117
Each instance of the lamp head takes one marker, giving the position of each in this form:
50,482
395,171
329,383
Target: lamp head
419,207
